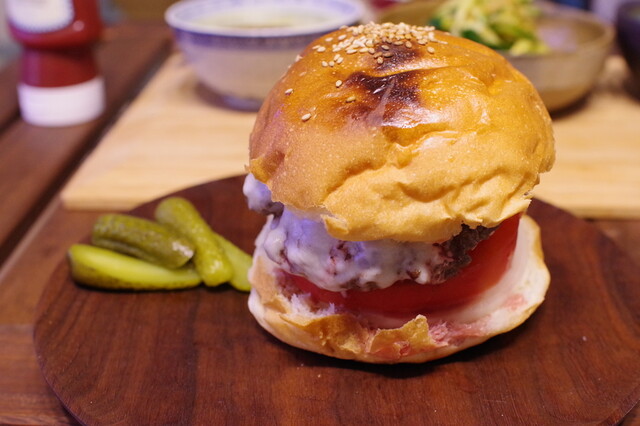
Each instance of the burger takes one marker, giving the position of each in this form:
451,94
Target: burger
395,164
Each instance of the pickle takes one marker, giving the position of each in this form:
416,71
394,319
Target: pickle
103,268
210,260
240,261
143,239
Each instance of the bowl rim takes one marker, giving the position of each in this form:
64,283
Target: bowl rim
550,8
603,41
173,18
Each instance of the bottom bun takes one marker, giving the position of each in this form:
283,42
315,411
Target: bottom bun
296,319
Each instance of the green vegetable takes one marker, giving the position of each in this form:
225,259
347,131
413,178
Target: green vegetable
143,239
210,259
240,261
500,24
103,268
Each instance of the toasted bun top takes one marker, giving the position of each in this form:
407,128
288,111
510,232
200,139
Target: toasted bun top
401,132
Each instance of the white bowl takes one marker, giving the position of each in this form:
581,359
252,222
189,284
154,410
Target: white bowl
579,44
240,48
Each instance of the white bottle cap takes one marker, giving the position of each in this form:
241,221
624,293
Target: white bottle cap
62,106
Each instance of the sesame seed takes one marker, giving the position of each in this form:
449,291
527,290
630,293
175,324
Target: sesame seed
430,49
288,91
305,117
377,40
351,98
338,83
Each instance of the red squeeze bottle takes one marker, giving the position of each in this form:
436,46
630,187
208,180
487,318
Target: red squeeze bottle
59,84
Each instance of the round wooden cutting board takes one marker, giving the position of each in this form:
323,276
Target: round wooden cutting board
197,356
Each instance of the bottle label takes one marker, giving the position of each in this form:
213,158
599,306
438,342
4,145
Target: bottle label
40,16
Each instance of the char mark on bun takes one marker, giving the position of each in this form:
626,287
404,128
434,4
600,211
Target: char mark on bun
395,164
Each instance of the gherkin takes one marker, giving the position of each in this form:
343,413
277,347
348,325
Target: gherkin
217,260
103,268
143,239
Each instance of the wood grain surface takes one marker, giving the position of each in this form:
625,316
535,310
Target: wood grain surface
197,356
9,110
36,161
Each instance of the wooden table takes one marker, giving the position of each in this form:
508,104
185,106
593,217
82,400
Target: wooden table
36,230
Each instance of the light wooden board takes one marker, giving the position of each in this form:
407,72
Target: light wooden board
597,170
174,135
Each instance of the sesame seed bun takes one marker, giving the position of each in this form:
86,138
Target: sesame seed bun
400,132
295,319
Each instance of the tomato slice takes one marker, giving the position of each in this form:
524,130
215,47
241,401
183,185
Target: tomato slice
490,259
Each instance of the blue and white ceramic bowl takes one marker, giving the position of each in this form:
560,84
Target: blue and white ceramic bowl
240,48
